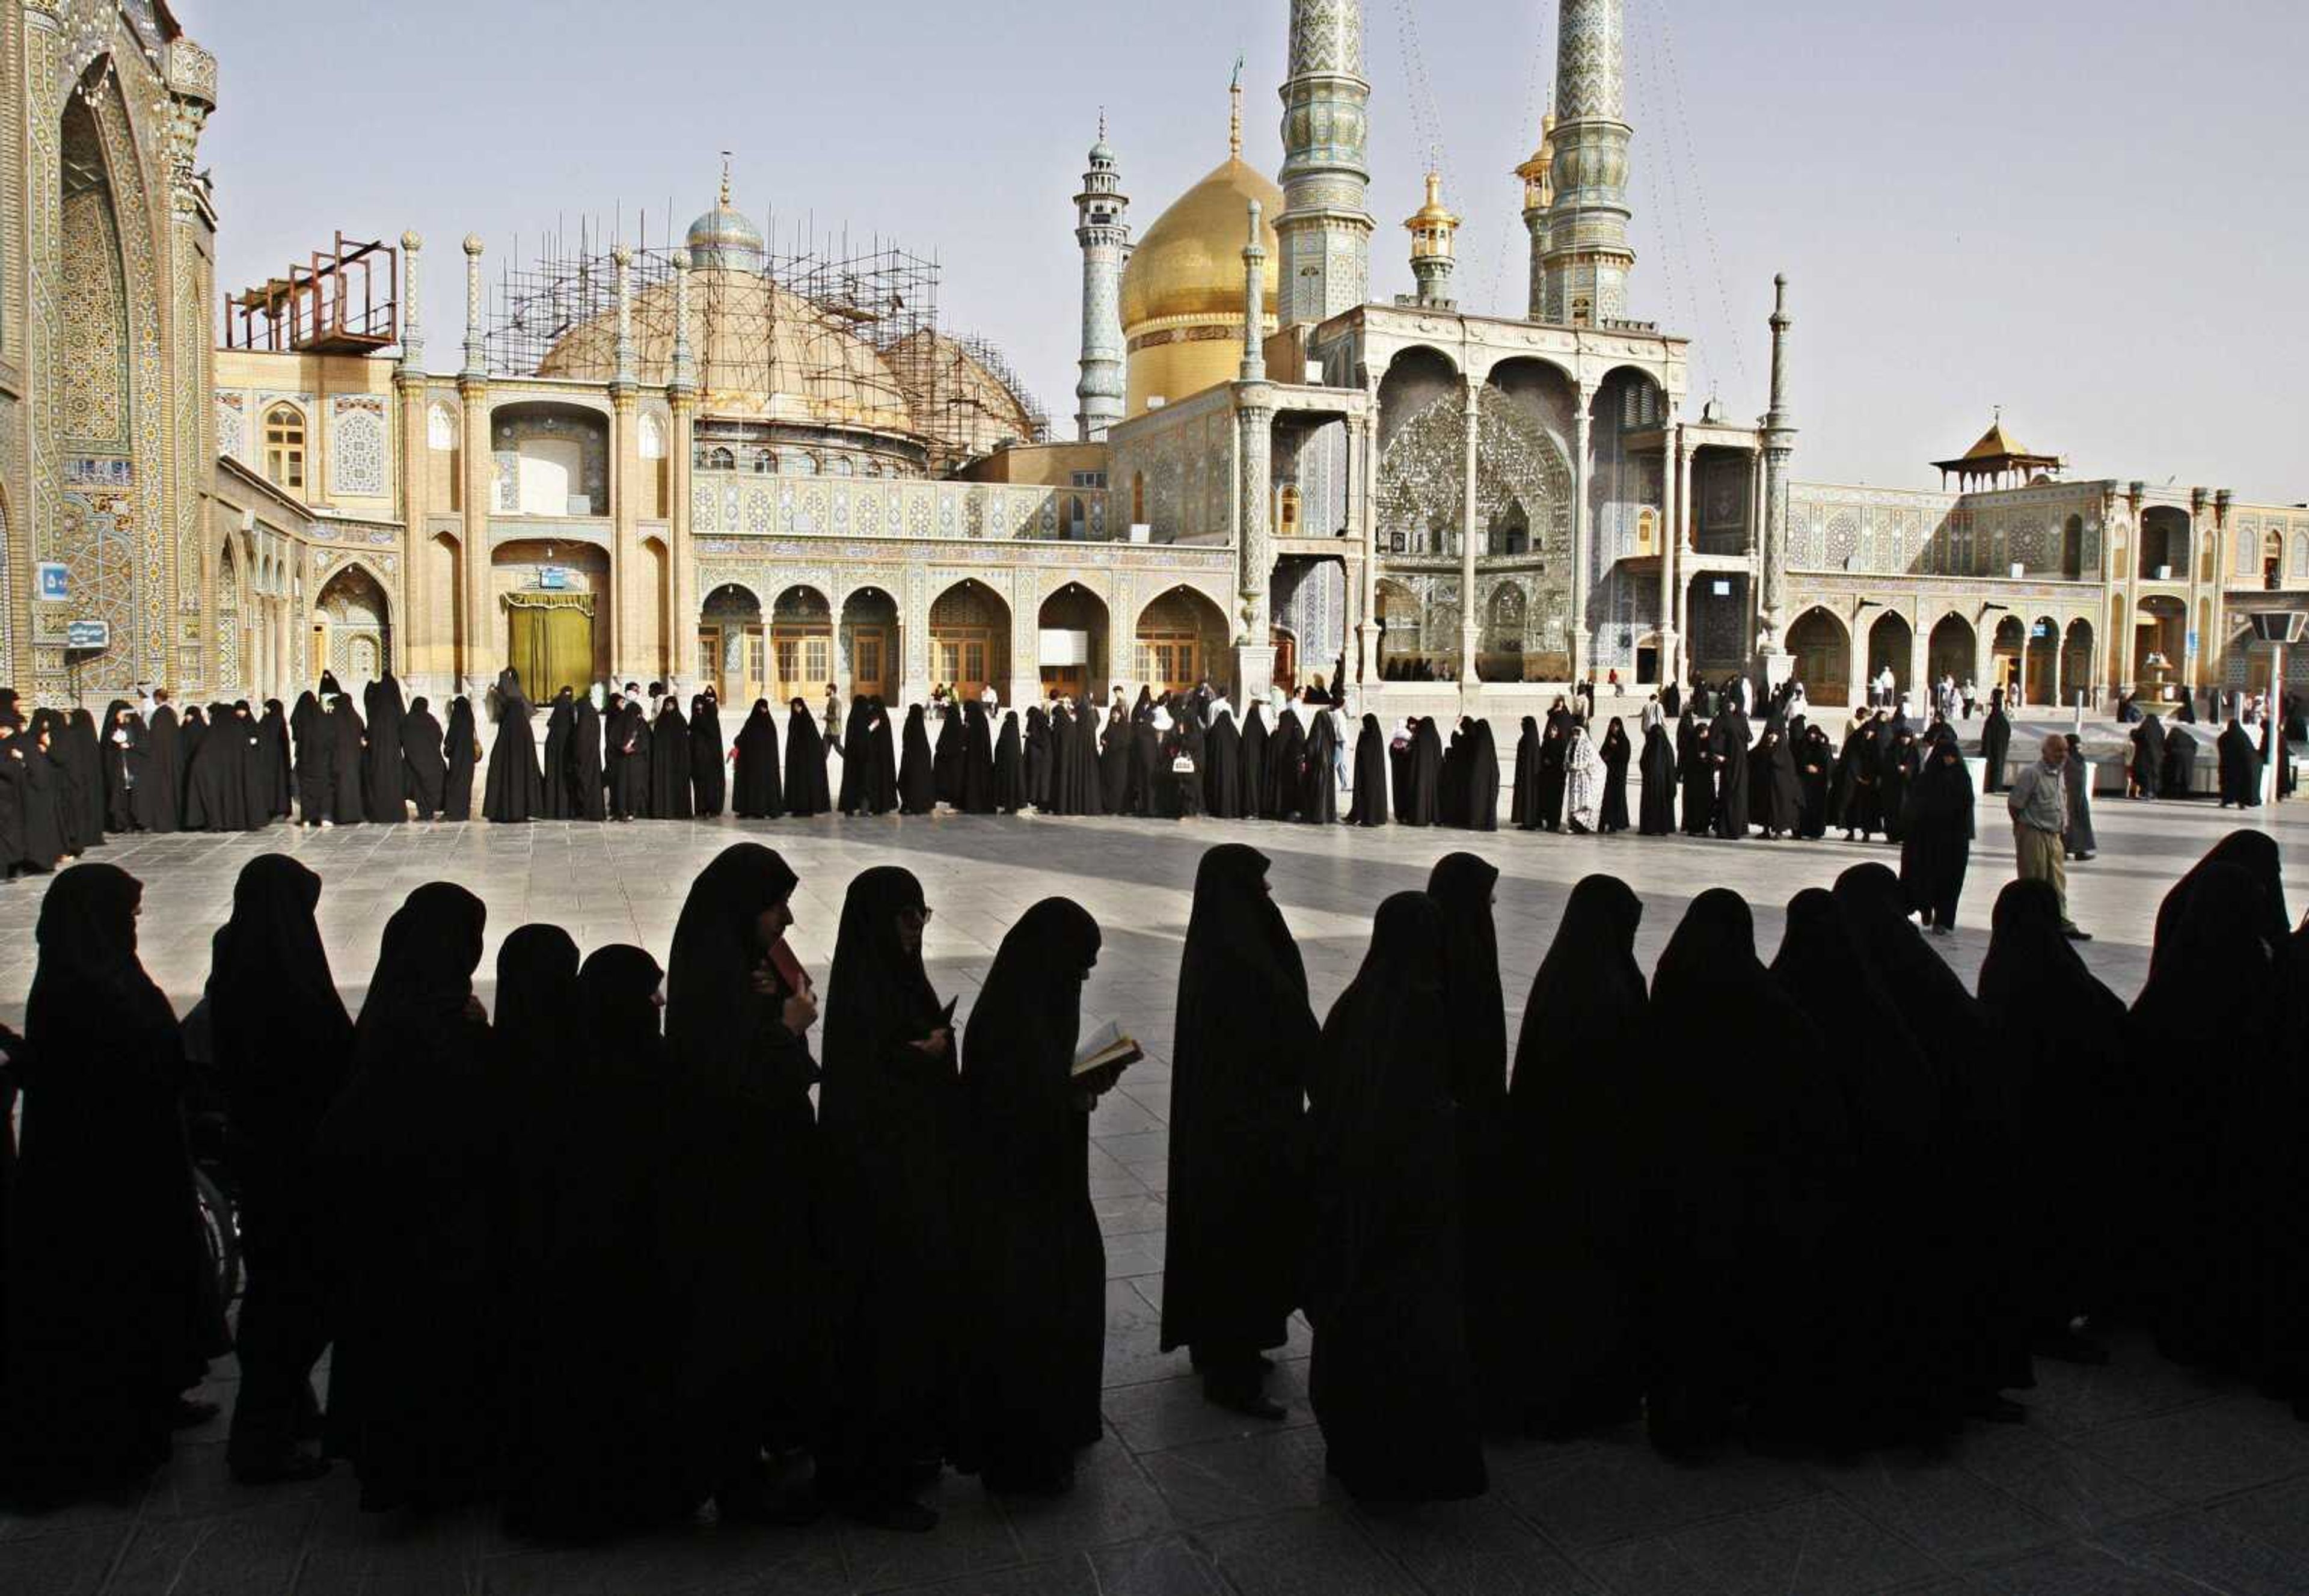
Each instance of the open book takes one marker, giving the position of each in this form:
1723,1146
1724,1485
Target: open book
1106,1048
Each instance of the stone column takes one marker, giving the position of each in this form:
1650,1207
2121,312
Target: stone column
1470,531
1578,641
1254,412
483,640
1366,522
625,564
1671,536
1779,445
681,456
427,670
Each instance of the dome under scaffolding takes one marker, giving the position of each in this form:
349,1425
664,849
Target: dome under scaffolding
800,337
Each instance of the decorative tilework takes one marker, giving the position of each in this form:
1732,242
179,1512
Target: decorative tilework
232,426
95,305
441,428
357,440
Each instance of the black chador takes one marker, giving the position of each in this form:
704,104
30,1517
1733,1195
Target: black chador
1390,1379
917,767
83,768
416,1383
1523,790
857,756
1615,752
160,796
316,762
12,859
283,1046
1223,770
1010,767
1936,837
421,755
596,1234
1571,1303
1815,768
1773,785
2240,767
752,1312
108,1314
1695,772
1034,1277
513,791
1087,786
1655,815
216,799
558,801
629,786
1066,794
888,1107
1900,761
1480,780
709,775
1150,768
1252,756
1036,792
756,791
1551,775
977,760
1318,787
882,796
1234,1230
1474,1037
2179,772
277,788
587,794
805,792
1286,758
1859,785
384,784
192,732
1120,771
1727,751
946,760
1370,807
121,757
460,751
1995,739
1417,802
669,763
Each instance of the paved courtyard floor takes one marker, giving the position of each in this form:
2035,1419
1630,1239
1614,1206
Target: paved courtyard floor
2139,1477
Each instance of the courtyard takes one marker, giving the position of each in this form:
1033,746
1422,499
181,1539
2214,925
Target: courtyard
2138,1477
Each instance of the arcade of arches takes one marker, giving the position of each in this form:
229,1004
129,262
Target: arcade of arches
2047,660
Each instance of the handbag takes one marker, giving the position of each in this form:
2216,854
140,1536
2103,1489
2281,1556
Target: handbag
1182,766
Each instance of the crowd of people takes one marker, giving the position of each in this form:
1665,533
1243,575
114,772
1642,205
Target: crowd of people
645,1237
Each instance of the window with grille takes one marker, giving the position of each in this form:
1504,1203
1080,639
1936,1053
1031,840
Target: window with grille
284,446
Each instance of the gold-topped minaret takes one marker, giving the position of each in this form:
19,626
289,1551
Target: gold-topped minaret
1538,175
1434,246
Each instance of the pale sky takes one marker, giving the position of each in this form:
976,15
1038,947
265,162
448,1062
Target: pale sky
2095,212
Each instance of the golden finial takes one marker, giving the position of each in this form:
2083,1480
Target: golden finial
1234,111
725,179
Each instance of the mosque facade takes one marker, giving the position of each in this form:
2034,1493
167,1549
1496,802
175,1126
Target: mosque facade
770,467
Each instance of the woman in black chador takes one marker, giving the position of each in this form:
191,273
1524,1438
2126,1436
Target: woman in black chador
109,1312
2149,759
2240,767
596,1441
1479,767
1475,1040
1035,1271
1936,837
2178,773
283,1048
1010,768
514,792
2061,1035
1036,755
1523,788
1901,763
669,763
882,790
1390,1379
709,778
461,748
1223,769
1695,774
1118,763
756,792
1250,798
1616,751
1318,786
317,764
1656,809
1286,758
589,797
421,755
1576,1112
1235,1230
1777,790
1545,810
1858,784
1727,750
122,758
917,768
409,1160
1995,740
276,790
558,800
748,1298
1815,764
628,741
383,786
1747,1159
888,1104
946,758
977,774
1416,795
1369,805
806,793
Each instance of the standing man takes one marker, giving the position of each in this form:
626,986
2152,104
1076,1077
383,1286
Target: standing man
2039,805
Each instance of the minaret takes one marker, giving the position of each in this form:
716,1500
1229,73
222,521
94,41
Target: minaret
1538,196
1254,422
1105,239
1433,230
1779,445
1589,258
1325,229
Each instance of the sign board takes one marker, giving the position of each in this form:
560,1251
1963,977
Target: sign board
1720,587
2044,628
1065,649
55,581
552,579
2278,626
87,634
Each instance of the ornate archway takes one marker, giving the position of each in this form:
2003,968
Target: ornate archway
1823,657
970,638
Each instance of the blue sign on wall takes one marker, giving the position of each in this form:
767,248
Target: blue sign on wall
552,579
55,581
87,634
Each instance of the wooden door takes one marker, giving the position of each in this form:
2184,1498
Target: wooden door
870,661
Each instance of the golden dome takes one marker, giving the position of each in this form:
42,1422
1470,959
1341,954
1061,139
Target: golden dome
1189,262
758,350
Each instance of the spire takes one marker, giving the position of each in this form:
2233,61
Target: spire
1105,238
1234,111
1587,255
1325,229
1433,231
725,179
1538,197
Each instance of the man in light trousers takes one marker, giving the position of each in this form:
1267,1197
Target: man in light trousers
2039,803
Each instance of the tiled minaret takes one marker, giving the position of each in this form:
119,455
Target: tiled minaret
1325,229
1104,235
1588,257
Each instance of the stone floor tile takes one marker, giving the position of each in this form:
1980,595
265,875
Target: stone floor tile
2084,1570
698,1560
1820,1546
1168,1565
1163,1414
1597,1495
1310,1553
1957,1516
73,1561
253,1552
1112,1501
2201,1546
2061,1482
1213,1482
1472,1549
2211,1449
972,1538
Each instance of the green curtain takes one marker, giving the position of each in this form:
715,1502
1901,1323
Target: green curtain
551,638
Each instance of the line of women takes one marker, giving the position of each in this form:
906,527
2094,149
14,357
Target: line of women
605,1269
